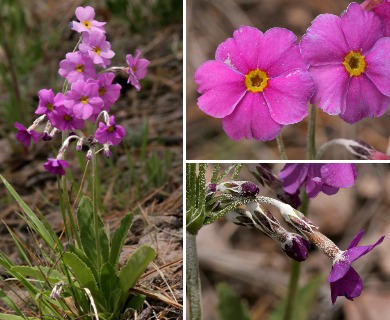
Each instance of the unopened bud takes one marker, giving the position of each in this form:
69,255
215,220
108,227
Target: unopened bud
107,151
241,188
89,154
296,247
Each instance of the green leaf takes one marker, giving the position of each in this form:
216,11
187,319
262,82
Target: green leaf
83,257
110,287
119,238
4,316
229,305
40,273
305,299
136,302
85,220
35,224
135,267
83,274
11,304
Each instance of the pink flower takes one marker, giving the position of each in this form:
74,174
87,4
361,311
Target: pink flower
383,11
108,91
87,23
48,102
137,69
56,166
257,83
84,99
25,135
348,59
63,119
109,133
96,46
77,66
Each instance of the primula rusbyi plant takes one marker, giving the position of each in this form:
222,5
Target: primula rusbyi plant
241,202
260,82
84,278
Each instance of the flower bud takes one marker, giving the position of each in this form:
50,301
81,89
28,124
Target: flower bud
241,188
89,154
296,247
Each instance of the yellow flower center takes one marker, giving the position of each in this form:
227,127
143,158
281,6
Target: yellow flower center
256,80
87,24
97,50
111,129
84,100
102,91
67,117
79,68
49,106
134,69
354,63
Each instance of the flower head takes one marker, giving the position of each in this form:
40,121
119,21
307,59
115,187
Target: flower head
56,166
137,69
108,91
110,133
48,102
63,119
86,21
77,66
344,280
84,99
348,59
326,178
25,135
257,83
95,45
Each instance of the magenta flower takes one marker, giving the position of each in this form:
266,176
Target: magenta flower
111,134
25,135
77,66
96,46
56,166
383,11
108,91
48,102
137,69
84,99
257,83
326,178
344,280
86,21
348,59
64,120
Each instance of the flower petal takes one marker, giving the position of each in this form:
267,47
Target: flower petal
378,66
251,119
364,100
339,270
350,286
331,87
324,41
287,96
383,10
293,176
361,28
356,239
279,52
340,175
356,252
222,88
241,52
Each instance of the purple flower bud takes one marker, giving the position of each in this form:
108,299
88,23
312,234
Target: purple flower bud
46,136
89,154
25,135
211,188
249,189
296,247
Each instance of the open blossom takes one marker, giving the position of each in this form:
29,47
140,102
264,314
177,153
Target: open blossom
344,280
326,178
86,21
257,83
84,99
77,66
48,102
25,135
95,45
110,133
108,91
348,59
56,166
137,69
64,120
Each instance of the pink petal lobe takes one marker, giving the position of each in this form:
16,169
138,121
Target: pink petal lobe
383,11
221,87
251,119
279,52
331,87
378,66
324,41
87,13
287,96
361,28
241,52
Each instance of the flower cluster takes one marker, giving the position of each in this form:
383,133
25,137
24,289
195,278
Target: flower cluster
91,93
260,82
327,178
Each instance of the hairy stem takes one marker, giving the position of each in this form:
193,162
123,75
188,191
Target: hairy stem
282,150
311,135
95,208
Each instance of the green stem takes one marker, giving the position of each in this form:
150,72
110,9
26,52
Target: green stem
95,208
282,150
311,135
295,270
194,293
